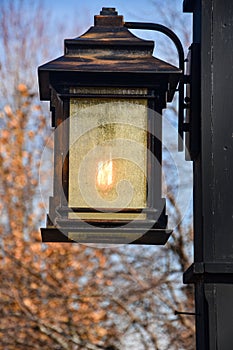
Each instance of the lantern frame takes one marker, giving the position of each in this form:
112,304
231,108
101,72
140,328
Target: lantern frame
106,57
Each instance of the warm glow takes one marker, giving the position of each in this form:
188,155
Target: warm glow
108,154
105,175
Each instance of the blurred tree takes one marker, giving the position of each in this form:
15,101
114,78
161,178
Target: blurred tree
50,295
59,296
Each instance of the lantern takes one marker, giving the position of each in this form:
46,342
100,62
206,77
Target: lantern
107,94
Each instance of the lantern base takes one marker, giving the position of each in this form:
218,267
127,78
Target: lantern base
106,236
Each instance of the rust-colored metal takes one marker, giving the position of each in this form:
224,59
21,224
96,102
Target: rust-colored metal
108,48
108,17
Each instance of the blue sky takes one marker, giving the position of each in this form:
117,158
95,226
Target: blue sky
135,10
129,8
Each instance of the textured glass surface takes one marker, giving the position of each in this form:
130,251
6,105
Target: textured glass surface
104,237
108,153
107,216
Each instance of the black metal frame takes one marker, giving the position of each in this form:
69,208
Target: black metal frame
157,233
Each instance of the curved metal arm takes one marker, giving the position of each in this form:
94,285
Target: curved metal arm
160,28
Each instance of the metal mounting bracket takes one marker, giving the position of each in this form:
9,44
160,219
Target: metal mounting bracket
191,103
209,272
182,127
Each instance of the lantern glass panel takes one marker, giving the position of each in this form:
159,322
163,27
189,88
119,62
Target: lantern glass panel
108,155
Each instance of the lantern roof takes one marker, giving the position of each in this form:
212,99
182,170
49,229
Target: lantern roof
108,48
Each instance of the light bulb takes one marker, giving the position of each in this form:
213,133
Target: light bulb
104,178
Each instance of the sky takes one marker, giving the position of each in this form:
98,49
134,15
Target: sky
141,9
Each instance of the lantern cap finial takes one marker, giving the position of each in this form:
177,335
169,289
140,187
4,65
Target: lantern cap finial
109,17
108,11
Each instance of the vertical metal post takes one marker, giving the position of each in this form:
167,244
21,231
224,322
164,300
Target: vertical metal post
212,270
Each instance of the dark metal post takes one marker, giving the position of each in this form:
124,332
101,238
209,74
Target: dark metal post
212,270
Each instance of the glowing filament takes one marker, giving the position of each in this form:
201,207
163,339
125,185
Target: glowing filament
105,175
